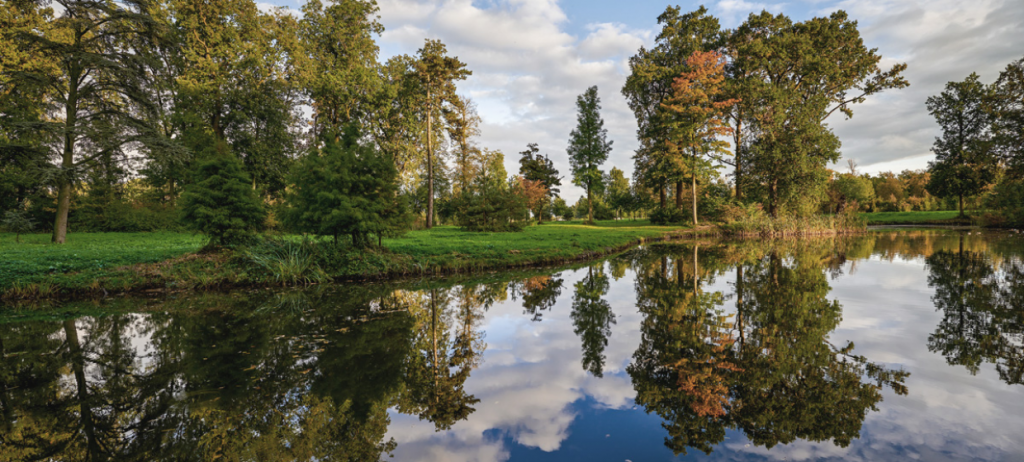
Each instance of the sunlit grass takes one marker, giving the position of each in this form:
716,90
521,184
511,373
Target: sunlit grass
882,218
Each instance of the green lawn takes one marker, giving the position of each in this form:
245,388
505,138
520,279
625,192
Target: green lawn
35,257
902,218
104,257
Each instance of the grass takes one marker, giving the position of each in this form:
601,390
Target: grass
35,259
944,217
124,262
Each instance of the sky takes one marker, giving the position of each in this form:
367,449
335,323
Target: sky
532,58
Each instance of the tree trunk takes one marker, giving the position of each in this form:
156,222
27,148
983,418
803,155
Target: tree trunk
60,227
85,409
430,163
961,205
773,200
590,207
661,196
693,190
679,195
739,160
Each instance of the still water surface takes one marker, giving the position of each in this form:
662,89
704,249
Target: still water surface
892,346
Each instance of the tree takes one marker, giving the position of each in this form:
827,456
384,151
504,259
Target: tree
1007,108
17,222
561,209
534,167
90,90
437,73
220,202
235,81
463,124
592,318
535,194
336,66
848,188
619,197
697,115
964,156
787,159
650,84
346,189
589,147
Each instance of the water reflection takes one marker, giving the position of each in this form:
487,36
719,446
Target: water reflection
711,340
982,302
768,369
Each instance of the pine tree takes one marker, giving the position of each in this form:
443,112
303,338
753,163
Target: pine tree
589,147
346,189
220,202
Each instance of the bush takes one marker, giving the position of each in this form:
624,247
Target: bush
346,189
493,205
1008,201
17,222
221,203
668,216
711,204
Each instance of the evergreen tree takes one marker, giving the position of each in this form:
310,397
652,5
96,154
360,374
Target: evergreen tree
346,189
437,73
220,202
964,156
1007,108
589,147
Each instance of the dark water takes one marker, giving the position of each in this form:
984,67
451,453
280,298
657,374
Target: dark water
894,346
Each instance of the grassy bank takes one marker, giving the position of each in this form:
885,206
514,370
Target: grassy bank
111,263
915,218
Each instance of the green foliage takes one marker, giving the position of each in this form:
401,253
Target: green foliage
220,202
493,205
562,210
668,215
592,318
850,190
346,189
589,146
17,222
964,159
289,262
534,167
1008,199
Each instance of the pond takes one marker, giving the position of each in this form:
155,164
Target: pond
889,346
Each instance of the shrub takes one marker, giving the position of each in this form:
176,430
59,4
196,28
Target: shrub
493,205
17,222
221,203
669,215
346,189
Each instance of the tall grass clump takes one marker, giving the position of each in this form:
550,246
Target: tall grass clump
288,262
752,220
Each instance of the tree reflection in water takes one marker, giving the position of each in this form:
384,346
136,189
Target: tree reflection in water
981,299
313,379
768,369
306,375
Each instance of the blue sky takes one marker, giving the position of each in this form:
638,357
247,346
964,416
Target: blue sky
531,58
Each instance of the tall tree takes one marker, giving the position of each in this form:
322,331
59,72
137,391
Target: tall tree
463,125
535,167
964,156
336,66
1007,107
778,57
90,94
650,84
592,318
589,147
438,73
698,115
234,83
